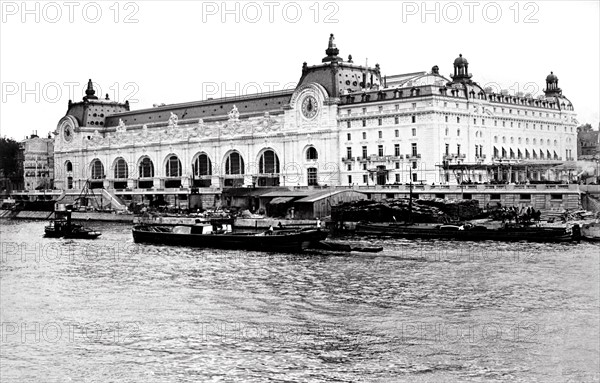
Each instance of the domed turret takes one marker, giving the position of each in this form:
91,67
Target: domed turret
461,70
552,88
460,61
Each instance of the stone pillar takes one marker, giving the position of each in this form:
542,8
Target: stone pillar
131,183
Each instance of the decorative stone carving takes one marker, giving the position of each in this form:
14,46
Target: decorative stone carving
173,121
234,114
121,127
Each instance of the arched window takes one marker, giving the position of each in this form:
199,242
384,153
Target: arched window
234,164
146,168
121,170
69,166
97,170
173,167
202,166
311,154
268,163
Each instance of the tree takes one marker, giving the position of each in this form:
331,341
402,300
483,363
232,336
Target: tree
585,128
9,157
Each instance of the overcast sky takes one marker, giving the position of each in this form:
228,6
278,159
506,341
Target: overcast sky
153,52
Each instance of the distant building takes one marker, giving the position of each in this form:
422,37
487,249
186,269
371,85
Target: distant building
588,144
38,162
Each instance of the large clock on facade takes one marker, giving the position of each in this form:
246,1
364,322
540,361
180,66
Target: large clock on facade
68,133
310,107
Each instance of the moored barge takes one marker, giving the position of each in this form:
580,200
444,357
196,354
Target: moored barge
471,232
205,235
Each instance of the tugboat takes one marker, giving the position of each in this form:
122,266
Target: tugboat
62,227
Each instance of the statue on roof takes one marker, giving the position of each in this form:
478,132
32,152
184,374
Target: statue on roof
234,114
173,120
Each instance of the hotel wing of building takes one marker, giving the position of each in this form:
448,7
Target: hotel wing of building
344,124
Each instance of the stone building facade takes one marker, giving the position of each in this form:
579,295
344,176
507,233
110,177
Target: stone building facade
344,124
38,162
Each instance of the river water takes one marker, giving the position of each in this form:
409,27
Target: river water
420,311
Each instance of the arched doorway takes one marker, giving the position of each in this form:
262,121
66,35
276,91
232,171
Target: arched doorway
234,170
268,169
201,171
97,174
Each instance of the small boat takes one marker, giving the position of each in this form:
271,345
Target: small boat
221,236
471,233
591,231
62,227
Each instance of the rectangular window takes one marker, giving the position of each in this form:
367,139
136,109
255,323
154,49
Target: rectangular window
397,150
397,165
349,180
396,120
365,166
482,121
414,178
414,149
365,179
447,149
364,135
556,196
364,152
348,124
474,121
380,150
414,119
414,164
414,132
446,118
414,105
525,196
348,111
380,121
312,176
494,196
397,177
397,107
364,122
349,137
380,109
364,110
495,123
348,152
458,149
380,134
349,167
503,124
458,119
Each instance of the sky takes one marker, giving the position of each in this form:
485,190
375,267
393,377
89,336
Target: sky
153,52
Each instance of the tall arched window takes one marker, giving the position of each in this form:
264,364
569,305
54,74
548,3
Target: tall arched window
121,171
311,154
234,164
69,166
146,168
97,170
202,166
268,163
173,167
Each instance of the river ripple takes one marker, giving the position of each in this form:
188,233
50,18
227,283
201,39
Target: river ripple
420,311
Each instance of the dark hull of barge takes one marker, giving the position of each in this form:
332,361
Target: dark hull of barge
531,234
278,241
